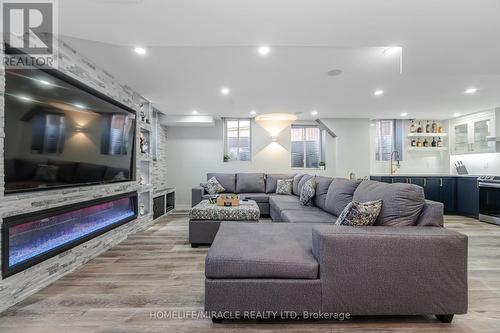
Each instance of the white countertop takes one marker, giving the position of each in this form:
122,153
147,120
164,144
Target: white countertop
421,175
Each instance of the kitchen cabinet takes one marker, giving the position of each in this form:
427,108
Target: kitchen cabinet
474,133
448,194
467,196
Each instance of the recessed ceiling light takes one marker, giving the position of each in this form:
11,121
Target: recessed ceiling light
471,91
264,50
456,114
334,72
378,92
140,50
194,112
404,114
47,83
391,50
314,112
253,113
225,91
80,106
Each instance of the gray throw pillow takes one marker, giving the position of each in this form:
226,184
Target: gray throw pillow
214,187
360,213
284,186
307,192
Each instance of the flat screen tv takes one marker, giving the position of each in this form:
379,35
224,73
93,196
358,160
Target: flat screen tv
60,133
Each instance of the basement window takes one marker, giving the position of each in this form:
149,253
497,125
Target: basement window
237,139
308,146
388,138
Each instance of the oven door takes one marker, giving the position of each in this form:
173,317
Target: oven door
489,202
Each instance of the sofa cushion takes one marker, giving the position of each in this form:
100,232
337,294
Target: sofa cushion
282,251
360,213
46,173
257,197
26,168
250,183
401,203
322,186
315,215
288,202
340,194
227,180
308,191
212,186
302,181
296,181
284,186
272,179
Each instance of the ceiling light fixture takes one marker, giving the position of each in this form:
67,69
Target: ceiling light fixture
47,83
253,113
225,91
140,50
391,50
194,112
80,106
471,91
404,114
264,50
456,114
378,92
314,112
25,98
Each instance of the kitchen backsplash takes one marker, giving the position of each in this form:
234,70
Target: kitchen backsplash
478,164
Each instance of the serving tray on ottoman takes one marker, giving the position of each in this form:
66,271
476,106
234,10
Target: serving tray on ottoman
205,218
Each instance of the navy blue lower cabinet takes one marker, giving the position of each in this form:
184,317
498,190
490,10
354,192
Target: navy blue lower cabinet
400,179
467,196
449,194
432,189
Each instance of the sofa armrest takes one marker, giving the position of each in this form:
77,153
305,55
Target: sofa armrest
197,195
391,270
432,214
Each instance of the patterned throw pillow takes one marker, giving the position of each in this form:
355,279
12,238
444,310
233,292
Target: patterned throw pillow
284,186
214,187
307,192
360,213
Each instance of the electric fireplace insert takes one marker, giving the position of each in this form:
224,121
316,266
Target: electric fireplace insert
31,238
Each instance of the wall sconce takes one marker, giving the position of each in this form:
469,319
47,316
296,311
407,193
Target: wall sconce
274,138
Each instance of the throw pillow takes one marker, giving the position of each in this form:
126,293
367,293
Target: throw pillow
307,192
284,186
46,173
214,187
360,213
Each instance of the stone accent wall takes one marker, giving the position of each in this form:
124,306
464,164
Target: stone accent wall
21,285
159,167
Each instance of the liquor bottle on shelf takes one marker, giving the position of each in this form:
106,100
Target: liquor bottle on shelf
428,127
439,142
434,143
413,128
440,129
413,142
419,143
419,128
426,143
434,127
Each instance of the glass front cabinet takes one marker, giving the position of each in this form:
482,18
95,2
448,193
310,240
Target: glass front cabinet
474,133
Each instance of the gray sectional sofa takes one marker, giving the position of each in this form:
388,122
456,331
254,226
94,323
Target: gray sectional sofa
405,203
406,264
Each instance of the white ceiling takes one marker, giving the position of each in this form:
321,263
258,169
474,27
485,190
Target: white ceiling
197,46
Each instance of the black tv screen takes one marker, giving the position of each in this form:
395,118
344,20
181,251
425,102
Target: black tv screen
60,133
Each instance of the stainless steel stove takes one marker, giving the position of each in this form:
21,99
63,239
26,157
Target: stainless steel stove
489,199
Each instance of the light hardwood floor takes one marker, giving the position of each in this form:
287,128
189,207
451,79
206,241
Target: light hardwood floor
157,270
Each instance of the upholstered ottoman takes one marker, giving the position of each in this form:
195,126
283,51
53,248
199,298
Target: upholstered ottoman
205,219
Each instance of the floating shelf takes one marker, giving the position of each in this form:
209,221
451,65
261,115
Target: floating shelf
427,135
427,149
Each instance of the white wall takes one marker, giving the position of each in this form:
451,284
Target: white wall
194,151
478,164
414,162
